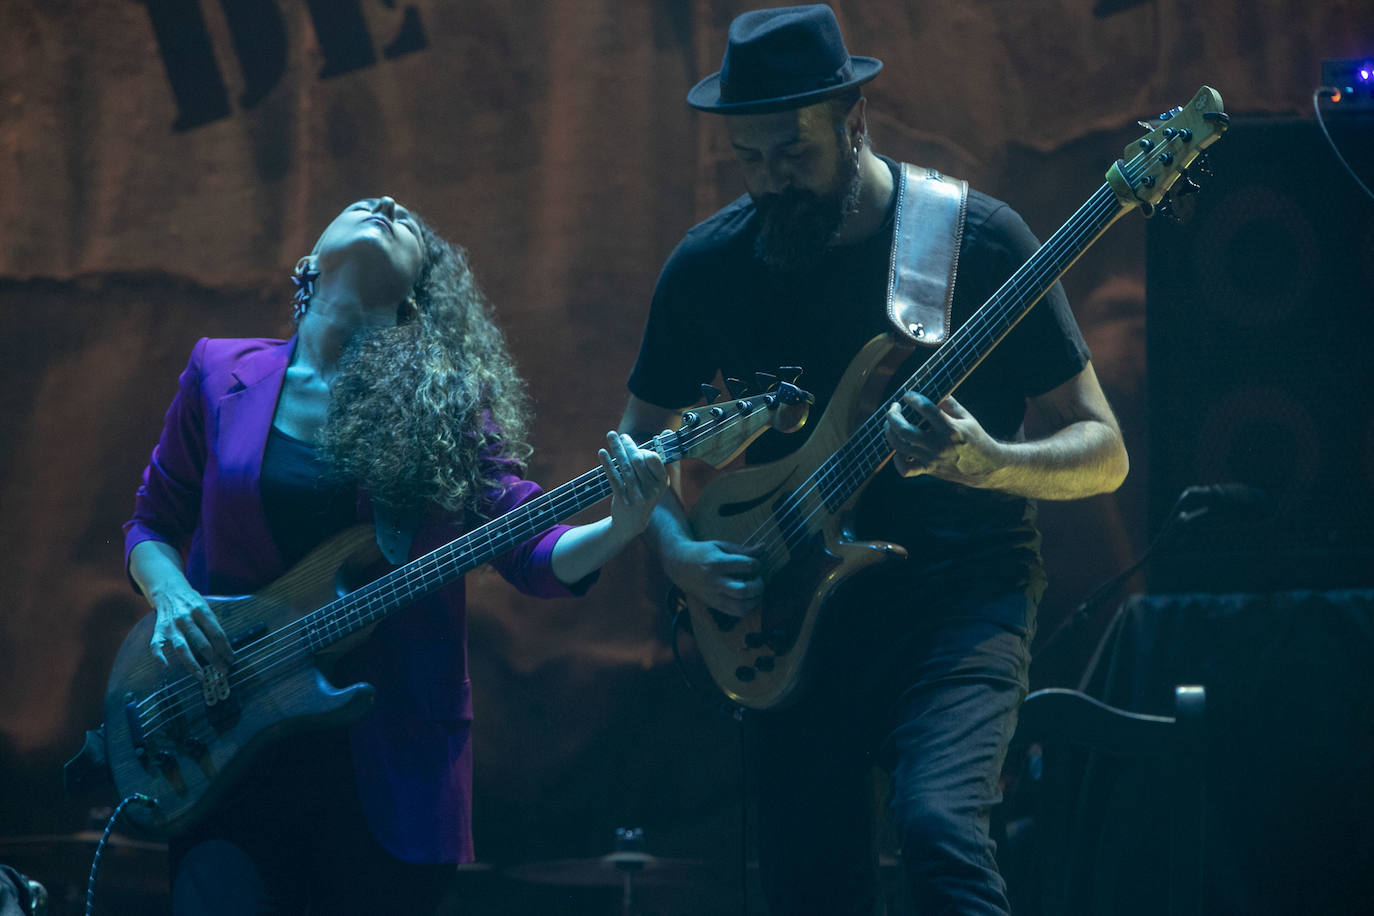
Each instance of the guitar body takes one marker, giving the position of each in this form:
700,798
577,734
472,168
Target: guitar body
758,660
169,740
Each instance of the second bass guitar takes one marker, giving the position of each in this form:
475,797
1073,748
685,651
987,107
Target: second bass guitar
794,511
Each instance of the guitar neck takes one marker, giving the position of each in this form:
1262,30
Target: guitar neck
864,453
406,584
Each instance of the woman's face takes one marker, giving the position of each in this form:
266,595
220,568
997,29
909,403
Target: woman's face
379,238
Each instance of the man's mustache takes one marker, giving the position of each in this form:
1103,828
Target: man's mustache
786,199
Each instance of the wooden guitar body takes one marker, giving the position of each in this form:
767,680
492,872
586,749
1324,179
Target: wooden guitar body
173,740
758,659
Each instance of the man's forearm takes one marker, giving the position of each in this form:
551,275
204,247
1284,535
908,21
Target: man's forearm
1083,459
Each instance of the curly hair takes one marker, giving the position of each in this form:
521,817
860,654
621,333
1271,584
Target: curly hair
426,413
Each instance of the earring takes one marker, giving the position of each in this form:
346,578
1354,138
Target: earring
304,277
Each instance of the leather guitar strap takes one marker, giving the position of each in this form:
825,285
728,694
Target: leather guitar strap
927,229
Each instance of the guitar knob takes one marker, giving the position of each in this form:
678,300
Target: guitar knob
724,622
764,663
744,673
754,640
777,641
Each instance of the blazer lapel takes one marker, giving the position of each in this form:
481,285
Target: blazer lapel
245,417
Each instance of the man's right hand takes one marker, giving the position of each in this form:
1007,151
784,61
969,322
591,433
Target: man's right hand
725,576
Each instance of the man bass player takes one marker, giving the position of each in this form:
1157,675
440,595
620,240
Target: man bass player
919,667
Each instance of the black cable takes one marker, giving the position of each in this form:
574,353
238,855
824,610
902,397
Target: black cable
743,816
104,838
675,626
1333,92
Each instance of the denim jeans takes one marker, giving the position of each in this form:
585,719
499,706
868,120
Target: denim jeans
935,706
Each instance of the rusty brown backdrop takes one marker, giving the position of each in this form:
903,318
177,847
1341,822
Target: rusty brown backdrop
163,164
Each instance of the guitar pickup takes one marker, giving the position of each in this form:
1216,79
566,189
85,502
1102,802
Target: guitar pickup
134,721
255,632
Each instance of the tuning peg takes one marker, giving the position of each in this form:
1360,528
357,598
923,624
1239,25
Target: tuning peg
1164,208
764,381
1181,203
1186,187
790,373
791,394
736,387
710,393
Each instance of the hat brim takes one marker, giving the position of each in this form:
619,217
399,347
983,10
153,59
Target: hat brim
705,95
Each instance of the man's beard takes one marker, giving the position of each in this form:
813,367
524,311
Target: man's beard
796,225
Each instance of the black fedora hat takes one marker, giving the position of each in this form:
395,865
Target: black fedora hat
779,59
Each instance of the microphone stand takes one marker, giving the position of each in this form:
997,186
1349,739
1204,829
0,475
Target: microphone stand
1178,519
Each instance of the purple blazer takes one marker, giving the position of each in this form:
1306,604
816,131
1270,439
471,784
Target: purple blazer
200,493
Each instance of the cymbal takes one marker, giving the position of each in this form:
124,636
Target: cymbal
610,870
81,839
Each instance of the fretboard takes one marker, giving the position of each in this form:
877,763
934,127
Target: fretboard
851,466
402,586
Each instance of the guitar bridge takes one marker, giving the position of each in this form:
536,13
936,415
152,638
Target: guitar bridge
215,686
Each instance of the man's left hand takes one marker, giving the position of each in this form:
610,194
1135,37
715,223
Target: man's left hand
946,441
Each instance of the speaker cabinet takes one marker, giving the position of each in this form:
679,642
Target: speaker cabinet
1260,319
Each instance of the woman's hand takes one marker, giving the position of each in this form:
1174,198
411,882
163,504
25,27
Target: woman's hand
187,632
638,478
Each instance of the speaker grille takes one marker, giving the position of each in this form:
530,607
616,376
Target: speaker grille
1259,321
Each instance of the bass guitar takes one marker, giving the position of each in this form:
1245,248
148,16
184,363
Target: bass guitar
175,743
795,511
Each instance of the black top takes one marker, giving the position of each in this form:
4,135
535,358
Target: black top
718,308
303,506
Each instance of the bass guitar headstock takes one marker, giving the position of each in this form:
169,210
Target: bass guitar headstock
1150,166
718,431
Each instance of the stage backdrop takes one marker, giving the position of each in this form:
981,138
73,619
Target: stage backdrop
164,164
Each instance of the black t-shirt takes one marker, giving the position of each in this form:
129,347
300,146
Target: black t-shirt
303,505
718,309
